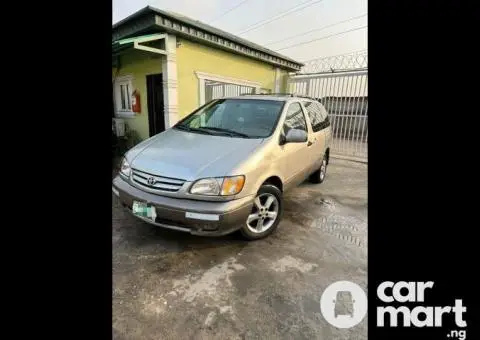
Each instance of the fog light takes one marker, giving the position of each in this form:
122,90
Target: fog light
206,217
210,227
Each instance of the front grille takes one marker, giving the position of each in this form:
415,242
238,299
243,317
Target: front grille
159,182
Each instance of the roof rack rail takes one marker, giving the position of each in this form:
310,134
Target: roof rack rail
279,94
268,94
302,96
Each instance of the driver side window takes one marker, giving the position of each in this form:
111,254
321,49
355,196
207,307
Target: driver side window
294,119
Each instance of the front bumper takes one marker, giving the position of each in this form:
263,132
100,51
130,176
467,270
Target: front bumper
171,212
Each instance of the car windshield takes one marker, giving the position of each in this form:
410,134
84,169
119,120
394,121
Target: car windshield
244,118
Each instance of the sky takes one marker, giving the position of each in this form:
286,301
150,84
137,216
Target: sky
319,14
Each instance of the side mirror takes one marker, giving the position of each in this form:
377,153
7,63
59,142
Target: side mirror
294,136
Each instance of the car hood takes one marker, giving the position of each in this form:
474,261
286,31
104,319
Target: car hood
190,156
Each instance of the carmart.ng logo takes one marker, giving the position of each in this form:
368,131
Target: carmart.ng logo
419,316
344,304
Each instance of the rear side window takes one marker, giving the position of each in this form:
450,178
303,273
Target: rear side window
317,114
295,118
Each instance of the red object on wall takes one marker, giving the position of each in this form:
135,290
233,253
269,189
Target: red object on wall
136,102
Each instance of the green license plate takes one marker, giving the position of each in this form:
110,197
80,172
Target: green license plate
143,210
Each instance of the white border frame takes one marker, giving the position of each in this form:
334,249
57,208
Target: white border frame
122,79
170,79
202,76
277,80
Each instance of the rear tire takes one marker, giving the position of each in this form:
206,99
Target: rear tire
319,175
266,213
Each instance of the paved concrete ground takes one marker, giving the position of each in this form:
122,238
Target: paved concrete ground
171,285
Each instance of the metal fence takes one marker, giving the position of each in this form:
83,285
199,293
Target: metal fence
216,89
344,94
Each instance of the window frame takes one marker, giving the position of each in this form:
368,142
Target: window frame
203,76
303,114
323,115
323,110
126,80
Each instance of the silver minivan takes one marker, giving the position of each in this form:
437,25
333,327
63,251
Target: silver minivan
225,166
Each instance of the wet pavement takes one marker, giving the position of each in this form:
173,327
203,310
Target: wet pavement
171,285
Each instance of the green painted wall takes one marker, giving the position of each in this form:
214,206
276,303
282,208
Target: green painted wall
193,57
283,80
139,64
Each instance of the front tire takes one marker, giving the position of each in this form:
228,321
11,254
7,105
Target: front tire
319,175
266,213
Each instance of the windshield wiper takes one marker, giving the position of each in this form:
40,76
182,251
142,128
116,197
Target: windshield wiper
182,127
192,129
227,131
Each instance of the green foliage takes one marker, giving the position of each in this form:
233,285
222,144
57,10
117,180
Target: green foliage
120,145
132,138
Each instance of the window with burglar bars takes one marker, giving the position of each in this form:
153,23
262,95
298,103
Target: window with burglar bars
125,97
216,89
122,96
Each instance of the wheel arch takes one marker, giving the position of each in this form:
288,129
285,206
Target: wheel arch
274,180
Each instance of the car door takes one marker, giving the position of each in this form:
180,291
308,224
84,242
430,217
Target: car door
319,124
295,156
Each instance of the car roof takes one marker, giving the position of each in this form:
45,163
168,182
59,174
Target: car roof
277,97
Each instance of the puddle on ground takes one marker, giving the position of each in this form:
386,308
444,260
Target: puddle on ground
314,211
325,202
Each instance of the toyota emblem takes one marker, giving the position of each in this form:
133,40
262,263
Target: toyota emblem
151,181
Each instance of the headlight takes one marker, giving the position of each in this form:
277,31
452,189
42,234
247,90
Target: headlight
206,186
224,186
125,168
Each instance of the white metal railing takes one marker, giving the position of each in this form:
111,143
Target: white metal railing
345,97
215,89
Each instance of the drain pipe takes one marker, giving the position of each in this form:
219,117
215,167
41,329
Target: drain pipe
118,70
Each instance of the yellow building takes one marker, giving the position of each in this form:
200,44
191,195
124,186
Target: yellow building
165,65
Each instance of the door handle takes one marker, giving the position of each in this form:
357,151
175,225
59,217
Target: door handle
309,143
